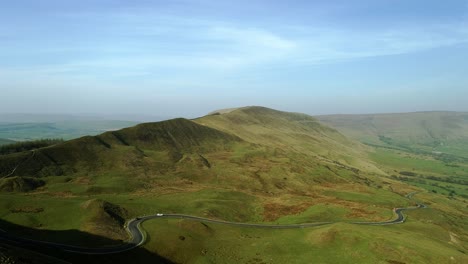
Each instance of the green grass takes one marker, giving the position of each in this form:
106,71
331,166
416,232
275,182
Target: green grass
409,162
56,214
454,147
110,183
449,189
220,204
66,213
377,197
432,175
192,242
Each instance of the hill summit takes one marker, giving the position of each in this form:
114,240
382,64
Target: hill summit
109,150
241,146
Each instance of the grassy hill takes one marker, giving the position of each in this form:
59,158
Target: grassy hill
250,164
128,149
444,132
290,132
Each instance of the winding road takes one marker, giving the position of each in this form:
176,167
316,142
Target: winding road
398,211
138,235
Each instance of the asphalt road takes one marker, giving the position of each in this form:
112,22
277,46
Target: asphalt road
399,213
138,235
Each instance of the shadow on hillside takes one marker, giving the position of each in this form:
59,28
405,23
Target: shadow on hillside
137,255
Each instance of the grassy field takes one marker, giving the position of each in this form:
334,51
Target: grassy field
425,171
186,241
454,147
192,242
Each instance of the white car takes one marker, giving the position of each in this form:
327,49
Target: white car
159,214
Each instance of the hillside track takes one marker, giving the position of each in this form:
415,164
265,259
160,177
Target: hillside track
138,236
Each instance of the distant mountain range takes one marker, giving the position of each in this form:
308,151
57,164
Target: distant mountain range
50,118
445,132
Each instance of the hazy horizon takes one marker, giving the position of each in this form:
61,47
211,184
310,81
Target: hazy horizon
190,57
59,117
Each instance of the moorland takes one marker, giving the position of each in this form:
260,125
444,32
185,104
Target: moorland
248,165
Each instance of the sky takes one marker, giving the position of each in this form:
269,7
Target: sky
190,57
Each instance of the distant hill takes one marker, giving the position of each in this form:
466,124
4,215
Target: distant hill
61,129
445,132
6,141
54,118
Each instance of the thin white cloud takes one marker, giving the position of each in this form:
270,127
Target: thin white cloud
251,37
320,45
201,42
147,43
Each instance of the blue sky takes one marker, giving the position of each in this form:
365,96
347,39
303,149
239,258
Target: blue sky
188,57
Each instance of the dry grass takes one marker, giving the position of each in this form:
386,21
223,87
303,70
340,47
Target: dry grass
273,211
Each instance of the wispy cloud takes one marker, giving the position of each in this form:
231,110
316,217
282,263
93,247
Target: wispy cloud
331,44
256,49
125,43
154,43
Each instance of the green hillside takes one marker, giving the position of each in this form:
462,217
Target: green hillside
250,164
438,132
290,132
425,149
128,149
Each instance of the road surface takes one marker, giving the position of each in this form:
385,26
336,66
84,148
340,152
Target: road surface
138,235
399,213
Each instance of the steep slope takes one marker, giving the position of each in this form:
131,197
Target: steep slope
176,134
104,219
291,132
118,150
